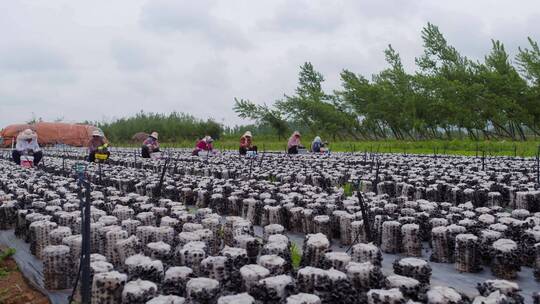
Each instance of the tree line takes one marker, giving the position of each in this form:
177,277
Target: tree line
449,96
171,127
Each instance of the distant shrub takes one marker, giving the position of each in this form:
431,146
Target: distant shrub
171,127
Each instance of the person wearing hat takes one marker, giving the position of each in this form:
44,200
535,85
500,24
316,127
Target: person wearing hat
97,143
204,144
246,143
294,143
318,145
27,144
150,145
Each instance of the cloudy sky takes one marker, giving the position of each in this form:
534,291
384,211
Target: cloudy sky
98,60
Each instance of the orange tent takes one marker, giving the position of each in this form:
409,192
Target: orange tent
51,133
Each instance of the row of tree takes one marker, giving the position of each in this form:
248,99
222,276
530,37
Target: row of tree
448,96
172,127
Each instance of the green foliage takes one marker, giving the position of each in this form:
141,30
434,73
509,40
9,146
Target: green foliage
34,119
5,254
263,115
454,146
296,255
313,108
9,252
221,233
172,127
529,61
348,189
449,96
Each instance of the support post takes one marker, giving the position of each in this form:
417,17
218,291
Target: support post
157,191
85,280
483,160
538,166
365,217
99,171
250,166
376,178
83,274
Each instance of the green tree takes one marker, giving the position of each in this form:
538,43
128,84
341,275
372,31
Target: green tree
528,61
453,83
263,115
448,95
503,96
312,107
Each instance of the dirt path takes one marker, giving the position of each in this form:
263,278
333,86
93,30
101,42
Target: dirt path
15,289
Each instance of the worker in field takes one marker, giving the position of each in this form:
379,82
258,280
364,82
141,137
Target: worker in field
204,144
294,143
27,146
318,146
150,145
97,144
246,143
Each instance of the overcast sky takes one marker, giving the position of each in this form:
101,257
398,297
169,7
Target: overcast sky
99,60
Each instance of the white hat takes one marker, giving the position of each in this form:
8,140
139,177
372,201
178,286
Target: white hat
208,139
296,133
154,135
27,134
247,134
96,133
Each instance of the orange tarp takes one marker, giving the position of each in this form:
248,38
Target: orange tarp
51,133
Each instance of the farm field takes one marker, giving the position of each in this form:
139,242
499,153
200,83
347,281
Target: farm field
269,152
450,147
283,228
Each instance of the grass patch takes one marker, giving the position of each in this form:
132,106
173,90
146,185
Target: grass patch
221,233
296,256
6,254
192,210
272,179
453,147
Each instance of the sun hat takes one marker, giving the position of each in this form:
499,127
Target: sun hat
247,134
154,135
296,133
96,133
27,134
208,139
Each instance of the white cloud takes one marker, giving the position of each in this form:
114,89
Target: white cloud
305,15
30,59
192,18
131,56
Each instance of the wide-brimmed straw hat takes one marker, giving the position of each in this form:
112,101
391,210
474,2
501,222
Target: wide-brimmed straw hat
154,135
96,133
27,134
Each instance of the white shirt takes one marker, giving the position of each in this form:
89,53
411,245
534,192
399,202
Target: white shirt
23,145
